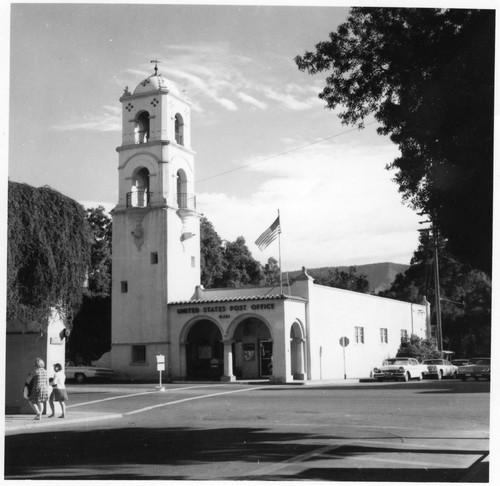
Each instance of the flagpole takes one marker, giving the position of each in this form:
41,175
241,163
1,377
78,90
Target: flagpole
279,255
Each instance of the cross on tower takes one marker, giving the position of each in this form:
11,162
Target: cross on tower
156,66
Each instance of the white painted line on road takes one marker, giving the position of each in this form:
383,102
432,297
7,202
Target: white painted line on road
293,461
135,395
199,397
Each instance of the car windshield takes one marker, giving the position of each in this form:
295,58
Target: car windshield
432,361
481,361
396,361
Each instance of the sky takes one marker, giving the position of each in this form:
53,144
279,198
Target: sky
264,141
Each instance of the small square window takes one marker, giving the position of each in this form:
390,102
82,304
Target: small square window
154,258
124,286
139,353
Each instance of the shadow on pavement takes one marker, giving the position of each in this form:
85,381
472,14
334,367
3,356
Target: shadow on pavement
160,453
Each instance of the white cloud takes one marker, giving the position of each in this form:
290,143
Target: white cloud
252,101
109,120
337,203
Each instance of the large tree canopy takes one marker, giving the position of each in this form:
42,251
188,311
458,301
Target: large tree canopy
427,76
48,253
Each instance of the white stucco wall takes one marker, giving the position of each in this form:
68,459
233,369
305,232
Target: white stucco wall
335,313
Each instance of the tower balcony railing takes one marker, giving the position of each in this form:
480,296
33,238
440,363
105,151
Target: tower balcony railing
186,201
138,199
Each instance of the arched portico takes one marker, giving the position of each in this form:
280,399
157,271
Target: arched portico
297,351
251,346
202,356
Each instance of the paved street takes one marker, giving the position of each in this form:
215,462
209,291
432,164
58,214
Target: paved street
430,431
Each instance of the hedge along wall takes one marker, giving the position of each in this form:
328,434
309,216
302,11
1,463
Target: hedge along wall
48,253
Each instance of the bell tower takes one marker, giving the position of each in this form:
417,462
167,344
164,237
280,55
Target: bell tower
156,228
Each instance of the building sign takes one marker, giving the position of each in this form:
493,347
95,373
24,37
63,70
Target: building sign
223,309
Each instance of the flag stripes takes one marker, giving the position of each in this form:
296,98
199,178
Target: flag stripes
271,233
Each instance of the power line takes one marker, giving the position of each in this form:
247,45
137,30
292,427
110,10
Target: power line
280,154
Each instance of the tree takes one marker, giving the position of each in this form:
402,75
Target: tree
349,280
427,76
48,253
211,254
99,274
91,334
465,297
416,347
271,272
240,267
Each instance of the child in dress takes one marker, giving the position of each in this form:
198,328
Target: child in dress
59,393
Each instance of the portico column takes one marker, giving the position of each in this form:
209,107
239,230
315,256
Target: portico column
228,361
182,361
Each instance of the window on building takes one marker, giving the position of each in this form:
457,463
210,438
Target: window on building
404,335
359,334
124,287
383,335
154,258
193,261
139,354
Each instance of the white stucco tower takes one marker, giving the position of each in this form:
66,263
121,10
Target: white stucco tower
156,229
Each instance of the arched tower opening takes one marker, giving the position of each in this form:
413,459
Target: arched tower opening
182,195
139,195
179,129
141,130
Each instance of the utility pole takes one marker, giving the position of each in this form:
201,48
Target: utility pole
437,291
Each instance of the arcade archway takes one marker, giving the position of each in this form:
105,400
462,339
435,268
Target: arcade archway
204,351
252,349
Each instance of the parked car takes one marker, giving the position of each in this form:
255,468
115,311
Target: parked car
460,362
82,373
439,368
399,369
476,368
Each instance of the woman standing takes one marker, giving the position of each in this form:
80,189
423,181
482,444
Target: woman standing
39,388
59,393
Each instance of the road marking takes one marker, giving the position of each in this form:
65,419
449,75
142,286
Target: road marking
135,395
145,409
293,461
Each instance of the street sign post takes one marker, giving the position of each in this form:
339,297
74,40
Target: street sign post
160,366
344,342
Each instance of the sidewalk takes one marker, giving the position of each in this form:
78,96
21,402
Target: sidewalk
27,422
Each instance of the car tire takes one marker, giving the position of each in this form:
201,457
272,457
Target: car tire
79,377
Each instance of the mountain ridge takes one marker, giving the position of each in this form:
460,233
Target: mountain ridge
380,275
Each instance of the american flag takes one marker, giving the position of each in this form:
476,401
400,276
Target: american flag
271,233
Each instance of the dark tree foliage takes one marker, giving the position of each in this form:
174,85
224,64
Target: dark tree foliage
240,267
427,76
349,280
465,297
211,254
99,274
91,334
48,253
